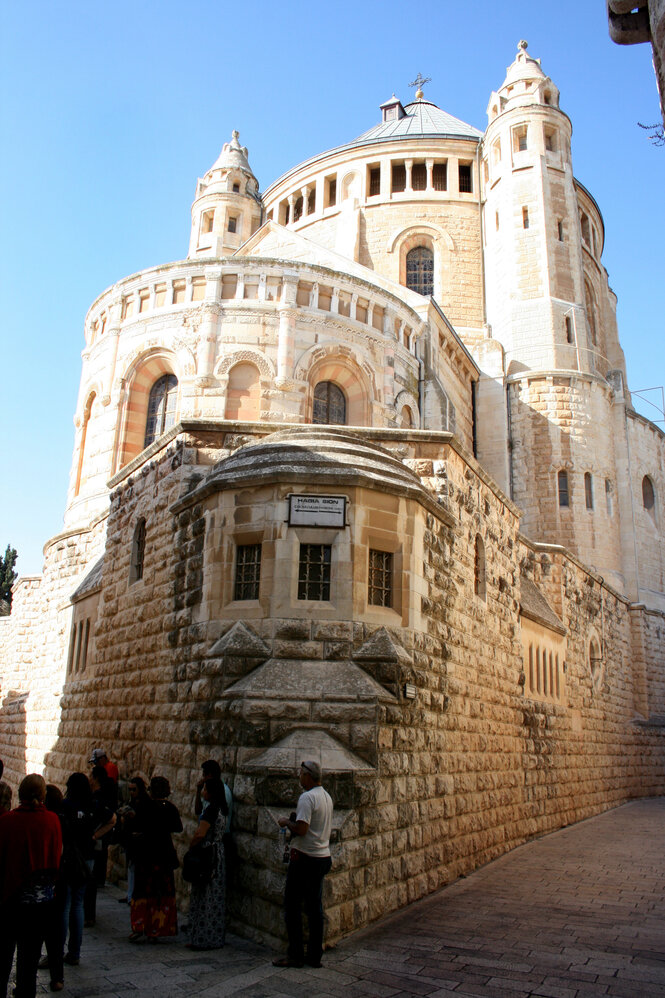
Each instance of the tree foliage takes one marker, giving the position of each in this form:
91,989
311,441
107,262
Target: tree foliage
7,574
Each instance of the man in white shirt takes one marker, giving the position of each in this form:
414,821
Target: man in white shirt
309,862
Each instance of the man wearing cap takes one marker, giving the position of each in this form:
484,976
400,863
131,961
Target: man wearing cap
309,862
100,758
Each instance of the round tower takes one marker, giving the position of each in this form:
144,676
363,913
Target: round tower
227,208
533,266
549,306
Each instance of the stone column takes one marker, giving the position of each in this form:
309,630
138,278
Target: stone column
408,165
287,330
429,166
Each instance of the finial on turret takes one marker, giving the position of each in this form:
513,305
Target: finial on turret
522,45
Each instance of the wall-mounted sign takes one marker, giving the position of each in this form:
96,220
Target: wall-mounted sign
317,511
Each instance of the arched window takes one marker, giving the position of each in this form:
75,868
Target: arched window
138,552
648,495
329,404
562,483
479,584
420,270
161,408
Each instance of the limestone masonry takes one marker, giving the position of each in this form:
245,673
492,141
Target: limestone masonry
360,480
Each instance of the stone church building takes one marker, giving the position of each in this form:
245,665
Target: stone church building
360,480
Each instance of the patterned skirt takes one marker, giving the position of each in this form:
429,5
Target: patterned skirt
207,908
153,906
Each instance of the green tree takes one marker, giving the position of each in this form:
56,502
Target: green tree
7,576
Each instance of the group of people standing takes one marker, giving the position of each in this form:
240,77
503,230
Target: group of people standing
53,857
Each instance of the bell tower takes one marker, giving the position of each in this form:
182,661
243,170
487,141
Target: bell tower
227,208
533,265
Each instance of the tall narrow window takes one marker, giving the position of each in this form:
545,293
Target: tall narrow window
588,490
570,338
329,404
161,408
419,177
420,270
465,178
398,178
559,228
331,191
380,581
562,483
440,176
248,571
314,571
479,579
648,495
525,218
138,552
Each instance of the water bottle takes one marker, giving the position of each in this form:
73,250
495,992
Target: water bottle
285,845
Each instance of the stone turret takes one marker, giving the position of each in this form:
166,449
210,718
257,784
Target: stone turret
534,274
227,208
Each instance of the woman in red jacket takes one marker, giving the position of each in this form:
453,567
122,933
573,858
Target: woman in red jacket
30,850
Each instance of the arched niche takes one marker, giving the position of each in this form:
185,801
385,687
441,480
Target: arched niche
243,393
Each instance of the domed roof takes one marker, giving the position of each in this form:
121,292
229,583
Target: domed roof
421,118
317,455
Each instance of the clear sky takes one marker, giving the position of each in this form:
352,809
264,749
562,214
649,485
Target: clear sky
110,112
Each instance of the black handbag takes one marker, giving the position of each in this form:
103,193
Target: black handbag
198,864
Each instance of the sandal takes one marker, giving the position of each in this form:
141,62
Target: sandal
135,937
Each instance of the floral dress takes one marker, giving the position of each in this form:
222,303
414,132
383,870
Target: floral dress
207,907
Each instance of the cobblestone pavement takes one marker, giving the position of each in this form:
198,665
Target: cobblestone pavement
576,913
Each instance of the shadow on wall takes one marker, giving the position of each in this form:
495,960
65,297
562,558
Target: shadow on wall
13,738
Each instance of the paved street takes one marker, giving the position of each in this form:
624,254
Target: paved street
579,912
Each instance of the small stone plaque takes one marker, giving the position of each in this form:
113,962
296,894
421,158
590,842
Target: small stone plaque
317,511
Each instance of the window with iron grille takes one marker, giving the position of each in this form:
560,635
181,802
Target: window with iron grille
248,571
329,404
380,582
398,181
419,177
420,270
314,571
374,181
161,408
465,184
440,177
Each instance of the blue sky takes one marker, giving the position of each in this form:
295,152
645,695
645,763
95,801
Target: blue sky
111,112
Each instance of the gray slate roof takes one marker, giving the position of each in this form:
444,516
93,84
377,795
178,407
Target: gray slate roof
422,118
534,605
92,580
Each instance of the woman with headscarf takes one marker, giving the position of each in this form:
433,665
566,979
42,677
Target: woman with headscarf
30,850
207,907
153,904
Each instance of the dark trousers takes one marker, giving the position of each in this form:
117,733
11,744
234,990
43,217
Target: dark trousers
304,886
22,928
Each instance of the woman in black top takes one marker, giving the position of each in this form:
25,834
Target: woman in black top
153,910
